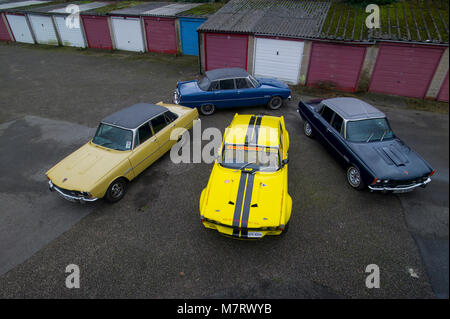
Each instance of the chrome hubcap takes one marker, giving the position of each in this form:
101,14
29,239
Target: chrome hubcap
353,176
207,109
276,103
307,129
116,190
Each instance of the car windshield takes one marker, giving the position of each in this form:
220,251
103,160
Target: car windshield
369,130
113,137
204,83
254,81
251,157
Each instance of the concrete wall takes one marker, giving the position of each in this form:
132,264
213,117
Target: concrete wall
439,76
251,54
367,68
303,73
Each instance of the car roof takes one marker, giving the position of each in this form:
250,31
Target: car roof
268,130
226,73
135,115
353,109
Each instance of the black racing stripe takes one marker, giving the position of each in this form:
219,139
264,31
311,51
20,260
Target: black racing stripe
247,202
251,124
256,133
238,207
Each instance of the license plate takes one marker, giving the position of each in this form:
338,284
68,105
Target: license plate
254,234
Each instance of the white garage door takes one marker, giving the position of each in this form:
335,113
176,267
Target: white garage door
279,59
19,28
43,29
70,36
128,34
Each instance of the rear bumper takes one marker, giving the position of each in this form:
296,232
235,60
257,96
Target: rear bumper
399,189
70,198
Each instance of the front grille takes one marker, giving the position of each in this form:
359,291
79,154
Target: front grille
69,192
242,228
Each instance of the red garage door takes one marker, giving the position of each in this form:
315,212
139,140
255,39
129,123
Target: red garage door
97,32
336,65
443,93
404,69
225,51
4,35
161,35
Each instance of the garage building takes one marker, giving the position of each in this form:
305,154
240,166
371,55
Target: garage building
17,21
264,37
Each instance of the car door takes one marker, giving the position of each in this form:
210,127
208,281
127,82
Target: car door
146,149
162,129
227,95
247,94
333,131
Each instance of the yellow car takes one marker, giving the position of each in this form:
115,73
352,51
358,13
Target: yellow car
125,144
247,192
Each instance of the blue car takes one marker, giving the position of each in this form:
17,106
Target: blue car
361,138
230,87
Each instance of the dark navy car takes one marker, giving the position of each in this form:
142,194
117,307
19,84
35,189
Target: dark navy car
230,87
360,135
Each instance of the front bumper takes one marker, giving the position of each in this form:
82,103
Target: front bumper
240,233
70,198
176,97
399,189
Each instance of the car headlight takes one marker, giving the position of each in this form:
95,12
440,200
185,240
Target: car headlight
386,181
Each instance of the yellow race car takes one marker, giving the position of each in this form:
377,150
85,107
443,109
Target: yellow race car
247,192
125,144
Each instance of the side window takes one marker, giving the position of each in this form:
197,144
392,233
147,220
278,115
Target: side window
227,84
242,83
214,86
337,124
327,114
170,117
143,134
158,123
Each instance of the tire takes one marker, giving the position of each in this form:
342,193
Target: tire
116,190
354,178
207,109
307,129
275,103
285,230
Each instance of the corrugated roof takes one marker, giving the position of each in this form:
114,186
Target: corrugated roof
60,8
171,9
139,9
291,18
17,4
407,21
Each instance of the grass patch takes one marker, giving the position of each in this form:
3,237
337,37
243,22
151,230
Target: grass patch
204,9
117,6
427,105
408,20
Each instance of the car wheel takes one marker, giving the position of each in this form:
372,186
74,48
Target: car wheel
307,129
116,190
207,109
285,230
275,103
354,178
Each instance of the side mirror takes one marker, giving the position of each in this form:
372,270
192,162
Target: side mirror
285,161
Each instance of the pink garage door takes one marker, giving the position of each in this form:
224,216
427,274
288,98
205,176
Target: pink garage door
4,35
225,51
443,93
161,35
338,65
404,69
97,32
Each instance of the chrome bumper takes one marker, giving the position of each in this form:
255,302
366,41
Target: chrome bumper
400,189
69,197
176,97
